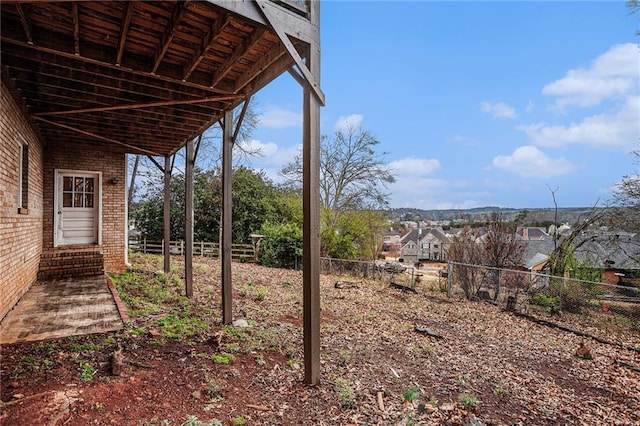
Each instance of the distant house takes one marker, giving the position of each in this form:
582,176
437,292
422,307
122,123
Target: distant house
424,244
533,234
391,243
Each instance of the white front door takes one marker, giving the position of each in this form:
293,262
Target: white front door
77,207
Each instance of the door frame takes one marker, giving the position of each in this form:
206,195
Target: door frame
57,199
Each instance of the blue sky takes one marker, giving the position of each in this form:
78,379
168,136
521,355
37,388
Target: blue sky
475,103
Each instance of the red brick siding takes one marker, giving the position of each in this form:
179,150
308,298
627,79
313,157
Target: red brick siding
20,234
67,156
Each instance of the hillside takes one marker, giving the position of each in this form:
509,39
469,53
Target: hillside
567,214
182,366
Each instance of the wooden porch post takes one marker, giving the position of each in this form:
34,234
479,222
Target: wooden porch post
227,147
311,212
166,219
188,222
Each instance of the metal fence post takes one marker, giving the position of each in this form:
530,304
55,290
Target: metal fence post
449,278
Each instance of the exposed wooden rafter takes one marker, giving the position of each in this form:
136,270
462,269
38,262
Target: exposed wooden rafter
214,31
26,22
167,37
134,149
56,54
276,53
226,66
76,29
124,29
141,105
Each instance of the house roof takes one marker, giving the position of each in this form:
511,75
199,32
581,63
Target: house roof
416,234
535,260
142,76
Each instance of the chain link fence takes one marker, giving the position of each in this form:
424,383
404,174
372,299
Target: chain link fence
395,273
587,305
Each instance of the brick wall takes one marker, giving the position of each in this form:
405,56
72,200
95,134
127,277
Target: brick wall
20,232
60,155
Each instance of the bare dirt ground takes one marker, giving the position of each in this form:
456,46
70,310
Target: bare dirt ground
180,365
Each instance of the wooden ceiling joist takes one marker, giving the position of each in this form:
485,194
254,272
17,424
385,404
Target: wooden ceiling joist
226,66
214,31
124,29
76,29
26,23
162,72
141,105
167,36
97,136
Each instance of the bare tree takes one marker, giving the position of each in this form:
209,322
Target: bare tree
352,174
466,251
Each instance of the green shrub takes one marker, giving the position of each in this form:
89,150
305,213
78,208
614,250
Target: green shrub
544,300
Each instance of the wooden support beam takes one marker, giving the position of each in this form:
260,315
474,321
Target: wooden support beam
154,161
214,31
76,29
188,219
142,105
166,214
238,53
264,63
167,37
275,24
124,30
225,243
134,149
245,106
311,221
26,22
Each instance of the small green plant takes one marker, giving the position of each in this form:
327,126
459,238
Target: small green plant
223,358
261,293
544,300
249,284
44,348
467,400
84,347
410,395
86,371
500,389
286,284
239,421
346,394
109,341
180,326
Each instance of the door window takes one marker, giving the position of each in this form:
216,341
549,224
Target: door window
77,191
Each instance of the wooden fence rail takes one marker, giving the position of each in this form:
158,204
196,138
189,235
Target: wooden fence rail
239,252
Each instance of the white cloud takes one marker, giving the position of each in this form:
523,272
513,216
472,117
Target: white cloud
614,74
617,129
411,166
531,107
270,153
280,118
529,161
498,110
352,122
